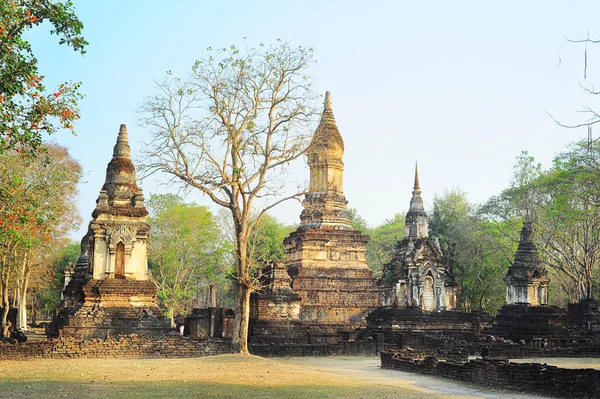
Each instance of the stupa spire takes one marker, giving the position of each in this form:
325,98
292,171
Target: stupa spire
122,149
416,186
417,224
120,186
327,103
325,204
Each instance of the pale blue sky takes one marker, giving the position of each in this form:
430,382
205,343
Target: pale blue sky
460,87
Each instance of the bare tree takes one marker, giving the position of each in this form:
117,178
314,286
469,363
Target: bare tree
230,130
592,116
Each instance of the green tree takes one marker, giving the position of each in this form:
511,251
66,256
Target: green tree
265,244
474,250
563,203
382,245
230,131
37,210
186,249
46,287
570,219
26,107
358,222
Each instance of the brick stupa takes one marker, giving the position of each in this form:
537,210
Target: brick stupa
109,291
325,255
526,314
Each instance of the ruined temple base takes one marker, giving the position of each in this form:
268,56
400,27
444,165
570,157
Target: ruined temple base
415,320
211,322
585,317
411,327
523,322
329,274
113,307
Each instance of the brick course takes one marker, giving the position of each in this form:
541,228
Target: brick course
124,346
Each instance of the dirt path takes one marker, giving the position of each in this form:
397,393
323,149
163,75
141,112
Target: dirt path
367,370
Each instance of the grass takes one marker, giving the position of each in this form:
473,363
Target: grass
227,376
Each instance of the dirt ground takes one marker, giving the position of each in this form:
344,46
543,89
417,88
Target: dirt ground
367,370
227,376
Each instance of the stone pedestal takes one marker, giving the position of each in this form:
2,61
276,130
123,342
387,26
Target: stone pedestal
330,275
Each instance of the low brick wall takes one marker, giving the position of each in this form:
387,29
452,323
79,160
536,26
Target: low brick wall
351,348
124,346
515,351
529,377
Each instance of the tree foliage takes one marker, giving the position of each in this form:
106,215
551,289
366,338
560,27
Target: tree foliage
265,244
46,286
26,107
563,202
37,210
186,250
383,240
474,249
230,130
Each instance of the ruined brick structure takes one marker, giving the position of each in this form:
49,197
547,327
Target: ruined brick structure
527,280
326,284
526,314
418,276
109,291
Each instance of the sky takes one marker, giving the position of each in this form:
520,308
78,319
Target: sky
461,87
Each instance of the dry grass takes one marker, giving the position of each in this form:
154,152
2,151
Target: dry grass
227,376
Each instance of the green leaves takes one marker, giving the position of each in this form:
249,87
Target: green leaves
26,109
186,249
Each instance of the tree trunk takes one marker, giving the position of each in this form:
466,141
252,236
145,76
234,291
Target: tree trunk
5,306
242,320
171,317
242,314
22,294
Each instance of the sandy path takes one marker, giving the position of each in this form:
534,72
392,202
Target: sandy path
367,369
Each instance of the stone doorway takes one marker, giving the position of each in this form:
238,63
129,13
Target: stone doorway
428,301
120,261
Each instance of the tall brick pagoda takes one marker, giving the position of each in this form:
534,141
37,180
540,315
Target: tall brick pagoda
325,255
418,276
109,291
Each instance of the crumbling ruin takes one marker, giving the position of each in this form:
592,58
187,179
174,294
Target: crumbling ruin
526,314
109,291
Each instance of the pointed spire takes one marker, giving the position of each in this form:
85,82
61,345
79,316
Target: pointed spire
122,149
417,224
327,115
327,103
416,187
327,141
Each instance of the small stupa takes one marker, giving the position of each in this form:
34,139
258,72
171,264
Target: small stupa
418,276
526,314
526,279
109,291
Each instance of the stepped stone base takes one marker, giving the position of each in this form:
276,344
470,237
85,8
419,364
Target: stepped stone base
112,307
523,322
415,320
330,276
